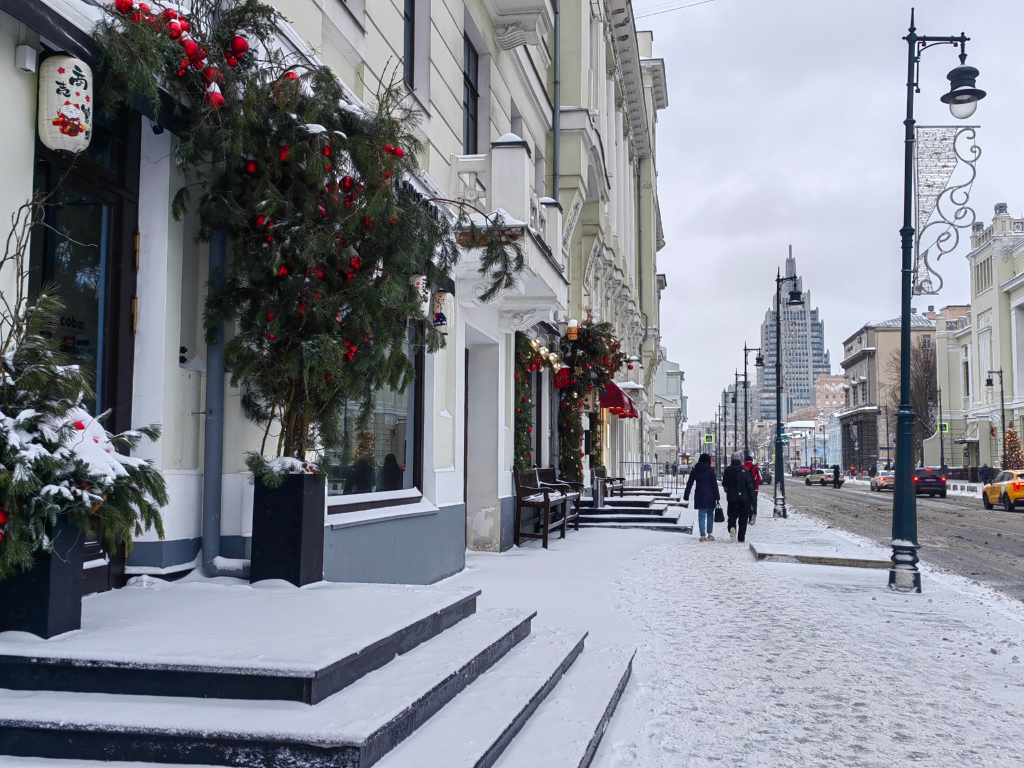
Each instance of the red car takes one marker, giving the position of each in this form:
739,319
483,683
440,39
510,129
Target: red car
801,472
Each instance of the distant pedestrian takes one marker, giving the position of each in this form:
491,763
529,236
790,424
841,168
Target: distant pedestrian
738,484
873,471
706,496
755,472
835,475
985,474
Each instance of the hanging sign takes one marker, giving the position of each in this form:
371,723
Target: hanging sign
65,103
573,330
444,306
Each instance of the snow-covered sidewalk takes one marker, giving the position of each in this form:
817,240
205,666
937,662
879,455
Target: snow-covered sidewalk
743,663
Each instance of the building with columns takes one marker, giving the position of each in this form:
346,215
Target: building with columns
578,176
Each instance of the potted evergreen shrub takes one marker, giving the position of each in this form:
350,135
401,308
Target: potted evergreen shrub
61,474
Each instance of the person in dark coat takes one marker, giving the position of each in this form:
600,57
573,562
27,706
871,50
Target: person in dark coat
835,475
707,495
738,484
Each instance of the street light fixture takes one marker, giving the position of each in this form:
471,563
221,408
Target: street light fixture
795,300
758,363
1002,409
963,96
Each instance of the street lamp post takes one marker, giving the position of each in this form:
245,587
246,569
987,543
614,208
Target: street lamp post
758,363
1002,409
942,434
962,99
735,410
795,300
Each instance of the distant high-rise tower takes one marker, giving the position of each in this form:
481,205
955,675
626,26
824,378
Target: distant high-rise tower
803,351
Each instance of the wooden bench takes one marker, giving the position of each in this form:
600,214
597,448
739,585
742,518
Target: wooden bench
573,492
611,483
531,495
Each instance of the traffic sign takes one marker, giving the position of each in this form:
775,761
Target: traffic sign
785,438
944,427
709,438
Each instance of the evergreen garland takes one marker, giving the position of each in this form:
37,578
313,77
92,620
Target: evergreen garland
324,234
525,357
594,357
1014,454
55,458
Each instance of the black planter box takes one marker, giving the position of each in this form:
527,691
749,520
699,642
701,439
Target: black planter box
47,600
288,531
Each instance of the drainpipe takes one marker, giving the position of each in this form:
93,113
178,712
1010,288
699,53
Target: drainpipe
556,111
213,445
640,289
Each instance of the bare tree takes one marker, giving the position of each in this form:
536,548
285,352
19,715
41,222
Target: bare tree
923,386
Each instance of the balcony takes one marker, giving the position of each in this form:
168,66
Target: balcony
500,181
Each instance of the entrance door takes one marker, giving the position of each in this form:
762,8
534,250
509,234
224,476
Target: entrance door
86,255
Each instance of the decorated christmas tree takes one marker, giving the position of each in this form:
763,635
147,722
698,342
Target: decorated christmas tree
55,457
1014,454
327,234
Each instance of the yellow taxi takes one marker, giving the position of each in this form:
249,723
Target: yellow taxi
1006,488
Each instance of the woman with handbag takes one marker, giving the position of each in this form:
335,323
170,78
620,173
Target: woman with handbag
707,495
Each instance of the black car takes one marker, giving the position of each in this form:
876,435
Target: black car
930,481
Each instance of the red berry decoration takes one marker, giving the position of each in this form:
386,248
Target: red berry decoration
321,273
259,221
399,152
282,271
355,262
388,148
251,167
283,152
387,174
271,337
368,222
124,6
270,316
239,45
302,309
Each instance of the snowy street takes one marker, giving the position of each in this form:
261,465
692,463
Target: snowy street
768,664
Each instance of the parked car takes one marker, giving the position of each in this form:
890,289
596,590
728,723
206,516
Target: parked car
931,481
801,472
822,477
766,476
1007,488
884,479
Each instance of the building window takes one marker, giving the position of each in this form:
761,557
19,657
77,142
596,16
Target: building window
926,341
982,276
470,97
409,54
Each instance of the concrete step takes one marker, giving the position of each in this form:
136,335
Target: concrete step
475,728
566,729
669,517
651,526
353,728
656,512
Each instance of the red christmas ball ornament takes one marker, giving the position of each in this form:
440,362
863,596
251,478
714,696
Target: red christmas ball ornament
190,47
212,75
214,97
582,454
302,309
231,61
529,429
368,222
252,167
533,368
80,425
143,7
185,26
618,346
355,262
174,30
588,366
388,148
517,376
282,271
260,221
607,360
124,6
198,63
170,13
630,367
346,183
288,75
271,337
328,149
398,152
322,211
283,151
4,517
519,410
270,316
394,221
239,45
321,273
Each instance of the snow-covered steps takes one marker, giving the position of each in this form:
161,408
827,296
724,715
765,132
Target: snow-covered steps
352,728
628,517
653,525
619,510
267,641
477,726
567,728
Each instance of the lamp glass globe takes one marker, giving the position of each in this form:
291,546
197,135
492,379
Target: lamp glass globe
961,110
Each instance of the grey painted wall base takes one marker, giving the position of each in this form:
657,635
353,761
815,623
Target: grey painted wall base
236,547
164,554
508,522
411,550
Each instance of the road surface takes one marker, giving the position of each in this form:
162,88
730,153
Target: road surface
955,533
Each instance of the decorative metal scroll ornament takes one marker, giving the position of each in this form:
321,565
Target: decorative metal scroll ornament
942,210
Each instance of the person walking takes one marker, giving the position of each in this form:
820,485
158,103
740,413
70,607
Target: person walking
706,497
985,474
835,475
755,472
738,484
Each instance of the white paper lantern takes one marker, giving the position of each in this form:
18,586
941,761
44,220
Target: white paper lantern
65,103
444,311
419,283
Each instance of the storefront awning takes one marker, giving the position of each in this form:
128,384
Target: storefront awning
618,402
969,435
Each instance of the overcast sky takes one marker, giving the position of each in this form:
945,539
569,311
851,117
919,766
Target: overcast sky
785,126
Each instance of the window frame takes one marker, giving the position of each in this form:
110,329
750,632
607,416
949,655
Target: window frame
470,97
409,45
